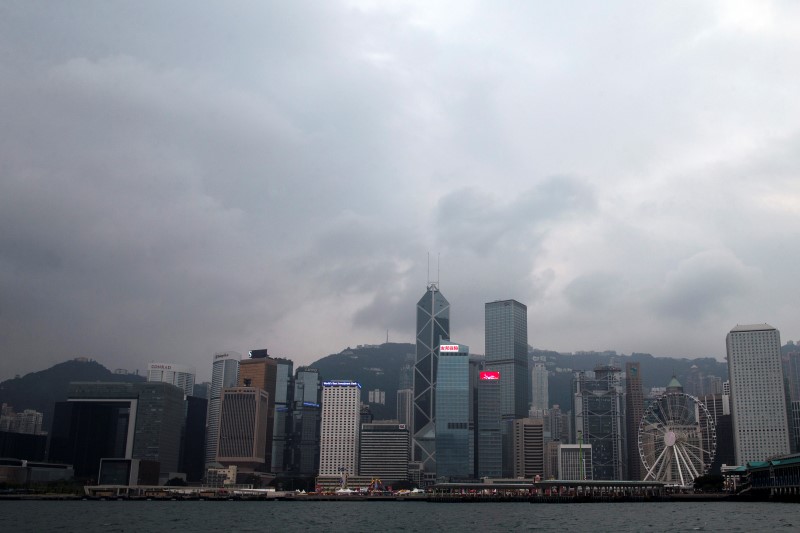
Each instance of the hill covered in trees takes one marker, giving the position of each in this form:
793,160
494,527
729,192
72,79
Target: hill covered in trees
41,390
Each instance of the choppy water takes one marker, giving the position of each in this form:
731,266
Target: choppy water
373,517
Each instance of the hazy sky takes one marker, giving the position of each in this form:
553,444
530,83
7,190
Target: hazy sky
179,178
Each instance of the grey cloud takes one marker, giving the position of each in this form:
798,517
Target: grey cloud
487,222
705,284
595,291
177,179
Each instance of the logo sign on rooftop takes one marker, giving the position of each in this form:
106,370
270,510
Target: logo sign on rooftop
489,375
448,347
341,384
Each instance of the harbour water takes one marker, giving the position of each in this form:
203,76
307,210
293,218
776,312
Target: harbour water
372,517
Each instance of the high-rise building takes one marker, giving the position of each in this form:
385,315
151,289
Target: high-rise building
454,433
718,406
507,353
119,420
306,421
506,335
634,410
405,393
598,411
792,368
181,376
341,411
243,428
282,418
193,451
384,451
528,447
490,453
540,398
224,375
260,371
433,325
760,422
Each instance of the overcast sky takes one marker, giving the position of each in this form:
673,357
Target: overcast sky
178,178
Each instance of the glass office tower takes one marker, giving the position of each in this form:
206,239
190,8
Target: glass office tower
433,325
507,353
454,433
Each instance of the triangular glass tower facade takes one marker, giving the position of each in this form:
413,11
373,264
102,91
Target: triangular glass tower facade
433,325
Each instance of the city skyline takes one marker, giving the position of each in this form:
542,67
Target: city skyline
180,180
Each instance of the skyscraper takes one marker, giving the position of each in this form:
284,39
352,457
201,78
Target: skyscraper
506,324
260,370
634,410
405,393
282,419
179,375
433,325
454,433
758,401
540,397
507,353
224,374
306,421
490,453
598,410
341,412
243,428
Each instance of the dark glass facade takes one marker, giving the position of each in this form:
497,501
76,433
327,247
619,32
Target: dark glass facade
433,325
282,426
598,408
194,439
490,453
634,410
506,326
306,415
118,420
454,432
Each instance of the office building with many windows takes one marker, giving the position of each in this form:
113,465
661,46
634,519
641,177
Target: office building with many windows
224,375
339,435
758,399
384,451
433,325
454,432
506,337
181,376
243,429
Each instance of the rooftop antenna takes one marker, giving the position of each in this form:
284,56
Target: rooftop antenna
429,269
438,263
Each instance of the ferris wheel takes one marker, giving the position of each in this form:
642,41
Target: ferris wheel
677,439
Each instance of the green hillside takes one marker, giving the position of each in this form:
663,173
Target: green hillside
41,390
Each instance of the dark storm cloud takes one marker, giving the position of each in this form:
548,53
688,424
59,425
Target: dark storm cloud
177,179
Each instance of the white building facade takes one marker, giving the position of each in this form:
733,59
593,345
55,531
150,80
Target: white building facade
179,375
339,434
758,402
224,375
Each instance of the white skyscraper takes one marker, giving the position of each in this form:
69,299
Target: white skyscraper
540,398
760,426
179,375
341,412
224,375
